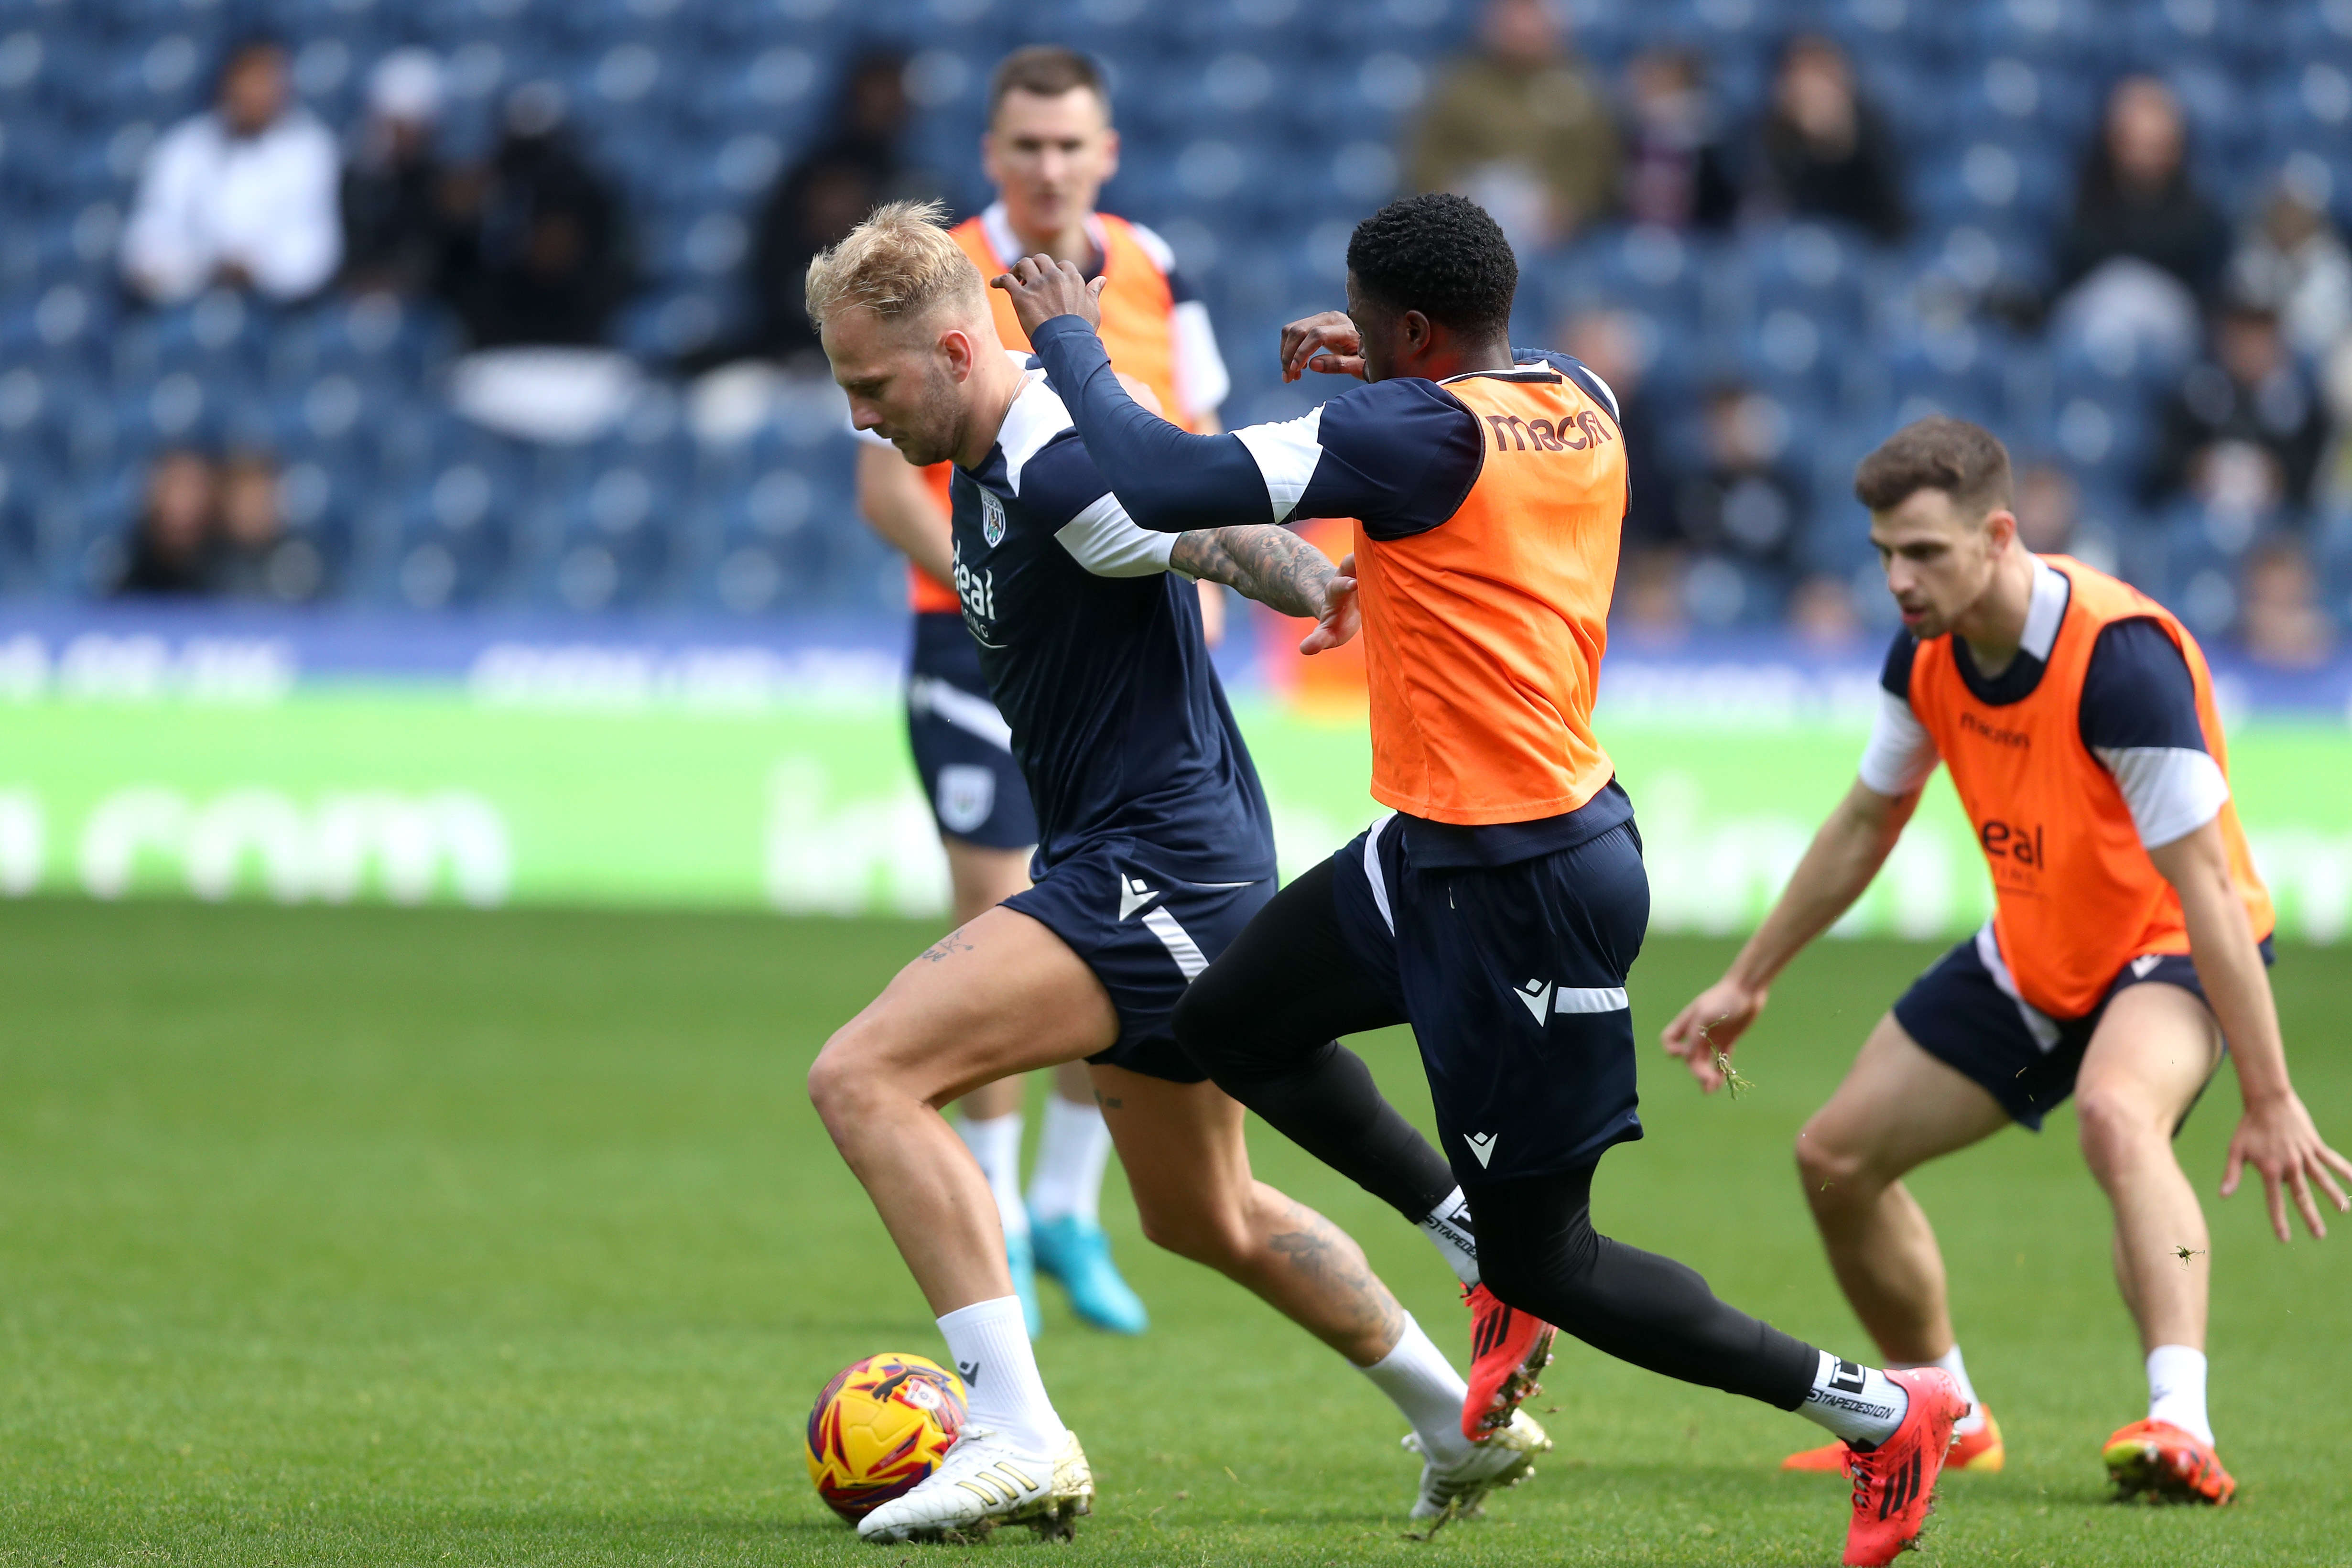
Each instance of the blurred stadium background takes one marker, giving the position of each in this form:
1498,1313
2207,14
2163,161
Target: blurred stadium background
498,540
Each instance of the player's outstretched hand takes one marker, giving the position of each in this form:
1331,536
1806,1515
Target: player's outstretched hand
1342,614
1710,1025
1042,289
1327,343
2277,1138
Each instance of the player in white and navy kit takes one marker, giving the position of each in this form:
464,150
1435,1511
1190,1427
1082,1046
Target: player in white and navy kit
1155,847
1048,149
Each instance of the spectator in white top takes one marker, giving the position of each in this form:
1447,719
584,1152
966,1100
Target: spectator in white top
241,197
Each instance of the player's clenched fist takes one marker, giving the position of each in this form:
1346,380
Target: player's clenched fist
1042,289
1327,343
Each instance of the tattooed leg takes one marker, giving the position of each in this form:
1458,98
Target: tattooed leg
1189,1168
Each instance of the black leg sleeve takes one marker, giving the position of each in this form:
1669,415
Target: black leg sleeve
1260,1021
1537,1251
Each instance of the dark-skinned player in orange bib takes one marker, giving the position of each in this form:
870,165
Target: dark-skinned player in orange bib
1500,908
2124,957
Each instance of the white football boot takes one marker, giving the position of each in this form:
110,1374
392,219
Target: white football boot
988,1478
1504,1459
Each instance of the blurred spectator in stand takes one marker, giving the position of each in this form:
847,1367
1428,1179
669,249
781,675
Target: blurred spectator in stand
1676,173
541,256
172,545
1821,611
1609,341
256,559
2292,258
1824,151
2047,507
818,200
2280,616
2143,247
395,229
1741,507
241,197
1521,127
2245,426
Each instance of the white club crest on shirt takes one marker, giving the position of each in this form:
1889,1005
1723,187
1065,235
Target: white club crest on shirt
992,518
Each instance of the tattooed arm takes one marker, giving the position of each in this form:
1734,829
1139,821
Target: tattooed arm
1271,565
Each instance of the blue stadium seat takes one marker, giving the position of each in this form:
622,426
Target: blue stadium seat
2065,32
1819,270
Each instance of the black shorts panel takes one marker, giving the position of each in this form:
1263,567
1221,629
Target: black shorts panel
1513,978
961,746
1145,933
1961,1015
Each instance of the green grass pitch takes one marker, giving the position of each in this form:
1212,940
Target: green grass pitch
379,1236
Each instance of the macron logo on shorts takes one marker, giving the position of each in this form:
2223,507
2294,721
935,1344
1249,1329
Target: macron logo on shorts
1481,1144
1543,998
1537,994
1133,895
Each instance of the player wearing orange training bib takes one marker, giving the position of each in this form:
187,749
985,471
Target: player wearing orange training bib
2125,957
1500,909
1048,149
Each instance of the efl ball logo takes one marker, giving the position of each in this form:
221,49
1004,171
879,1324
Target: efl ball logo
879,1427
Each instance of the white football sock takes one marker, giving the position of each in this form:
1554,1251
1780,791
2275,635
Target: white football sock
1072,1148
1449,1230
1860,1404
2176,1389
1950,1362
1421,1383
995,1142
989,1343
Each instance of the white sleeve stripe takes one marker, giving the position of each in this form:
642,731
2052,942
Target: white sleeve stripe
1201,379
1287,456
1901,754
1035,418
1608,394
1104,540
2172,791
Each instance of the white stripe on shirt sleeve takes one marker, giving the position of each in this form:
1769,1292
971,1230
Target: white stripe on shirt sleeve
2172,791
1104,540
1286,455
1202,380
1901,754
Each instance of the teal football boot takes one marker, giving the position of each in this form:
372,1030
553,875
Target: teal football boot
1021,1256
1078,1253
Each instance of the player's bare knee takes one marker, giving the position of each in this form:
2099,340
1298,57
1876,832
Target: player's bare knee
842,1080
1202,1233
2116,1127
1833,1172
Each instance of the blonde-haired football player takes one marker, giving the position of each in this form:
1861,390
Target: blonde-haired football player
1048,149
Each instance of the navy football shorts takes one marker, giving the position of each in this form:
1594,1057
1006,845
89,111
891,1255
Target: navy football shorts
1966,1013
962,745
1145,933
1513,978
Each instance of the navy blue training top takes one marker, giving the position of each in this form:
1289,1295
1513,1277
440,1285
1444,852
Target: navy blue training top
1094,655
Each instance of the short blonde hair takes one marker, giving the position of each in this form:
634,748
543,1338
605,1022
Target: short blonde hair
898,263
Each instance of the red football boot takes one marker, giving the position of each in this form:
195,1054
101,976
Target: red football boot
1894,1483
2159,1460
1979,1450
1507,1348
